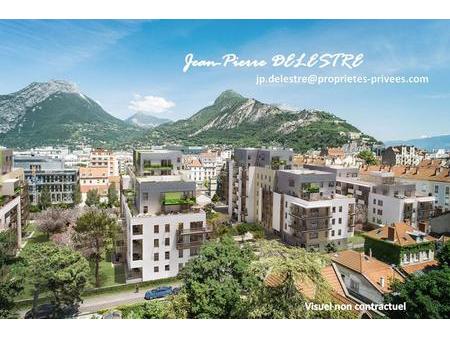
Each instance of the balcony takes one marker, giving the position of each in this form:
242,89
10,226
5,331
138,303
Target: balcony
194,231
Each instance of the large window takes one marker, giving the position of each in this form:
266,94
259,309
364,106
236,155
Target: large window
137,229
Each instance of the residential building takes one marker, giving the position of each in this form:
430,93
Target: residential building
402,155
365,277
308,212
387,200
403,245
14,207
47,172
164,226
300,205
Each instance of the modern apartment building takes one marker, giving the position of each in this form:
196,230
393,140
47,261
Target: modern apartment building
308,212
13,196
164,226
44,172
300,206
102,158
402,155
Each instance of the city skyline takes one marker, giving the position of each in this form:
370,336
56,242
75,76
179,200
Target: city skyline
131,66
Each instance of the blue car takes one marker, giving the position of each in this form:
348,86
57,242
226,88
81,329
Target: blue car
160,292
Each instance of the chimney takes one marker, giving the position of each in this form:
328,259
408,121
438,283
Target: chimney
391,233
382,282
423,227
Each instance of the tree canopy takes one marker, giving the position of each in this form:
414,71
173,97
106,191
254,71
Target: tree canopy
95,232
92,198
59,270
368,156
426,295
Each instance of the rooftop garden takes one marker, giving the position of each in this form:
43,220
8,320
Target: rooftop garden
149,166
177,198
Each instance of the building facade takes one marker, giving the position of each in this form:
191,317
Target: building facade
48,173
164,227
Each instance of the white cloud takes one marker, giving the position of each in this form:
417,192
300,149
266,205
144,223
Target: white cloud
150,104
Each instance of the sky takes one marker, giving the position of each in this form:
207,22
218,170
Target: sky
130,66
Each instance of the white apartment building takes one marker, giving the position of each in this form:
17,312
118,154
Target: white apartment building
300,206
402,155
164,226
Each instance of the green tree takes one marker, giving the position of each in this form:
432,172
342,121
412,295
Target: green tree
77,194
9,289
113,198
92,198
443,255
95,232
45,199
215,198
426,295
8,246
331,247
173,307
59,270
368,156
280,269
215,280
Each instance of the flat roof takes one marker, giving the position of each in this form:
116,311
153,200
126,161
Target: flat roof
163,178
305,172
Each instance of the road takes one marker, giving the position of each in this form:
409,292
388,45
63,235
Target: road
111,300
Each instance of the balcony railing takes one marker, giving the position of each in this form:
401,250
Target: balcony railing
203,230
187,245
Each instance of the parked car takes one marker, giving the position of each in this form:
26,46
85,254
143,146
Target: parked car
160,292
47,311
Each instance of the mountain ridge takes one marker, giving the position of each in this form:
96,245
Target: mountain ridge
55,113
239,121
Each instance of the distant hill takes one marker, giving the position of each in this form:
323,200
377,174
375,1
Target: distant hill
145,120
55,113
427,143
239,121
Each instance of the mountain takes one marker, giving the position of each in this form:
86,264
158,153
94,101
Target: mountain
55,113
145,120
236,120
427,143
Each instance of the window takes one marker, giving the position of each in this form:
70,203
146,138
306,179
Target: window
180,253
137,229
167,267
436,189
166,241
145,209
333,221
167,255
156,243
145,196
334,209
340,209
380,212
313,235
380,203
374,210
340,220
354,285
167,227
374,200
339,232
156,229
156,257
332,233
156,269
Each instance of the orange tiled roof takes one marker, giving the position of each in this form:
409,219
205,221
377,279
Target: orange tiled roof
411,268
427,171
89,172
403,234
307,286
372,269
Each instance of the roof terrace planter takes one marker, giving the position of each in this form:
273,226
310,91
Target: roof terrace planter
179,201
158,166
